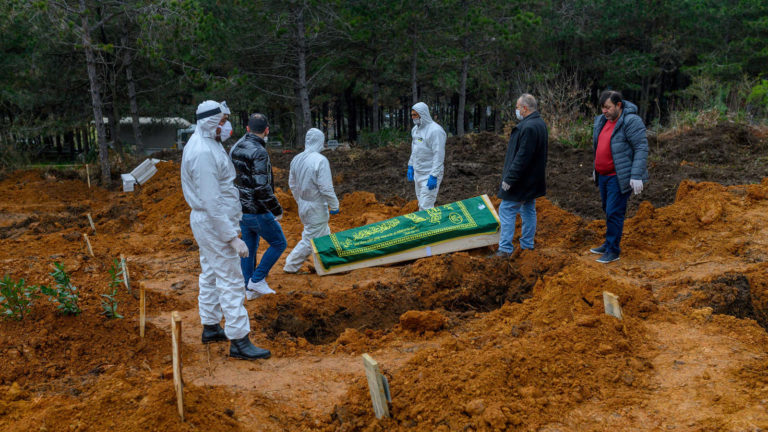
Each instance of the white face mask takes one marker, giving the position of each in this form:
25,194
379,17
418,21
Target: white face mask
417,121
518,114
266,139
226,131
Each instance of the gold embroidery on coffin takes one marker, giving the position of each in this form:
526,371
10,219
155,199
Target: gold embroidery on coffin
468,224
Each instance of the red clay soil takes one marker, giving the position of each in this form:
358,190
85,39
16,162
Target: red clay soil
467,342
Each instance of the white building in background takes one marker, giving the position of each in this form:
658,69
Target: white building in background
157,133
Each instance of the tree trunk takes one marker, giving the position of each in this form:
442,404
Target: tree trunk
303,91
352,118
497,124
414,83
132,99
98,116
462,95
376,91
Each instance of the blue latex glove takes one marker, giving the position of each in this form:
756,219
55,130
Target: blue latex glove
334,212
410,173
432,182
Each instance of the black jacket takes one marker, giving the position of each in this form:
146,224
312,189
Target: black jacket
254,178
526,160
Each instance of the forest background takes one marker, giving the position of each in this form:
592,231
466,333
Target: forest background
354,68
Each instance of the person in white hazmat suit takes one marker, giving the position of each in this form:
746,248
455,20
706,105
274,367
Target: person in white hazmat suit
207,180
425,167
312,188
224,132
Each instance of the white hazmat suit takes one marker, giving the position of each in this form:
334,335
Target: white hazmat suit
207,180
427,156
312,187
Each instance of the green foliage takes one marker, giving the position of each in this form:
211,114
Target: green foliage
109,302
115,274
384,137
64,293
759,95
16,298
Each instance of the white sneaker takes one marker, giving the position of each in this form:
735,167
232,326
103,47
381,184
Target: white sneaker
251,294
258,289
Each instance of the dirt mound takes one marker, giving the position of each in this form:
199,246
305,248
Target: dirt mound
124,399
523,364
467,342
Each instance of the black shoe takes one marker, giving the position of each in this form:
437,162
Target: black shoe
598,250
244,349
213,333
608,257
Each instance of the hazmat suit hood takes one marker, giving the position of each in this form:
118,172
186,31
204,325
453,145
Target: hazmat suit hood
314,141
423,110
209,114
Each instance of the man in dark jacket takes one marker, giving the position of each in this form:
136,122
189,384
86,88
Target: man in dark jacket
621,155
261,210
523,179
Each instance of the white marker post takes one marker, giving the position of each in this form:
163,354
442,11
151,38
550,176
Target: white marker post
90,221
124,265
611,303
178,382
377,386
88,175
88,242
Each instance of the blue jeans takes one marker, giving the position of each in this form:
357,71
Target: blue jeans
508,211
263,225
615,208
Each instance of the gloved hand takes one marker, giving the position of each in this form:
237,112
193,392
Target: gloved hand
410,173
505,185
334,212
594,177
278,217
239,246
431,182
636,185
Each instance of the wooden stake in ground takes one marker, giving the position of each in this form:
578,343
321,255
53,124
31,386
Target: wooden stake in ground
142,310
611,303
124,265
88,242
178,382
378,387
88,175
90,221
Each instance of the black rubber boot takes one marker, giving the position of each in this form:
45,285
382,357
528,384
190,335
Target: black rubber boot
213,333
245,349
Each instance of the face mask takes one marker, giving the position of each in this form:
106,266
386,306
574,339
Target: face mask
417,121
226,131
266,139
518,114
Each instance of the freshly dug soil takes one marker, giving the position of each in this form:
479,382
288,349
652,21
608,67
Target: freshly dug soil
467,342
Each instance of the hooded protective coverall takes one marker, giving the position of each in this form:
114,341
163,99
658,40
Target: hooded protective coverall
427,155
207,180
312,187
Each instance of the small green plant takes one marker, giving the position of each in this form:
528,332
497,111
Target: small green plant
109,302
64,293
16,298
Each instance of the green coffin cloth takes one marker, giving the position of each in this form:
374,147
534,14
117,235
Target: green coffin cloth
459,219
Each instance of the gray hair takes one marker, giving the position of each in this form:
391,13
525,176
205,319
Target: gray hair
527,99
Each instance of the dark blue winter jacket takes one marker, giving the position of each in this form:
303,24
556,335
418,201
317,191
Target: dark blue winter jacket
629,145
